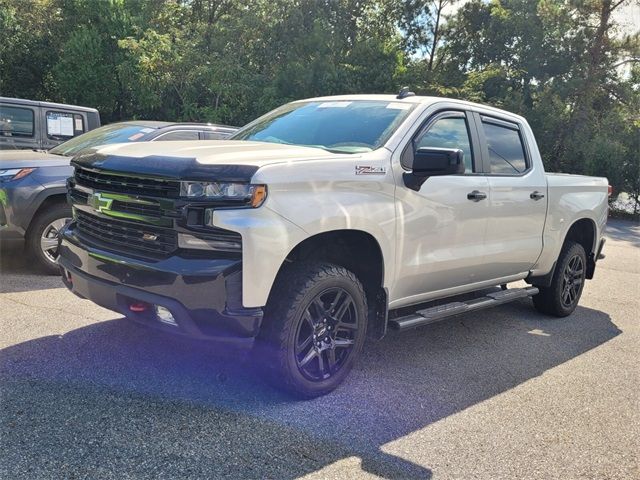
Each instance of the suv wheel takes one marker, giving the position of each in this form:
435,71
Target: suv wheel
42,238
314,328
561,298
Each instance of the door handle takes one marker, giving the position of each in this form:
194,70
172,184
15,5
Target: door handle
536,195
476,196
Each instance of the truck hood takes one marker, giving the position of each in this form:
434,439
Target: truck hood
213,152
221,160
28,158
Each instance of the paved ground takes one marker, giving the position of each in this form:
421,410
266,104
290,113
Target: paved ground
505,393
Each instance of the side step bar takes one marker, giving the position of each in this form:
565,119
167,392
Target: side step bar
440,312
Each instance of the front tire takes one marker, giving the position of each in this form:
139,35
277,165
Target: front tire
42,238
562,296
314,328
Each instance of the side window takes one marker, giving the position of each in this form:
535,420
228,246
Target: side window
506,152
63,125
449,132
178,135
16,122
78,124
216,135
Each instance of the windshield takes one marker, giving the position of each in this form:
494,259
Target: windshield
338,126
114,133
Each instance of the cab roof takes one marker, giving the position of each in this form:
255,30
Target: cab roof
36,103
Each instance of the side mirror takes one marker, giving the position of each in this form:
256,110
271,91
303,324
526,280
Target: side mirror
430,162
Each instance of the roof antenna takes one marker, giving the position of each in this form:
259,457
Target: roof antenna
404,93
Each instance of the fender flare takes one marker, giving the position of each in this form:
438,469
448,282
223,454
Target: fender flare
38,201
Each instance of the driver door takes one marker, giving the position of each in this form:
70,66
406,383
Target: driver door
442,226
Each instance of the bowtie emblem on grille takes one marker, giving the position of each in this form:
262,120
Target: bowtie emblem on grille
149,237
99,203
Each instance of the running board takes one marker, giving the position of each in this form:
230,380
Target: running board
440,312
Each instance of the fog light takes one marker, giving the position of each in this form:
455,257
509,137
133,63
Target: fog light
165,316
138,307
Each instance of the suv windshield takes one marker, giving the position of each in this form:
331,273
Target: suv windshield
338,126
114,133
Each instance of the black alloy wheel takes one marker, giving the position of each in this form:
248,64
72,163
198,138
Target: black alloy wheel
325,337
314,328
572,280
561,297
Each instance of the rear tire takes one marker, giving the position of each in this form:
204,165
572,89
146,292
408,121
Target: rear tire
314,328
562,296
42,237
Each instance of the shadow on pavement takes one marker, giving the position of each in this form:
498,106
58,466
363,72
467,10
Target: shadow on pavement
19,272
115,397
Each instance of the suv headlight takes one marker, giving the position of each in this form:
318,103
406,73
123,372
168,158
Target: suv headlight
246,193
14,174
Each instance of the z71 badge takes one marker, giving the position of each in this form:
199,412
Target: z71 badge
369,170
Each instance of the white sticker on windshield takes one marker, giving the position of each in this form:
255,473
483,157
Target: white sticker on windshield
146,130
79,124
399,106
136,136
334,104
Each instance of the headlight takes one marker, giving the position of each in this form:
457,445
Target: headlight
253,195
14,174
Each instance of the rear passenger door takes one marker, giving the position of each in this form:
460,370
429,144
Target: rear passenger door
517,200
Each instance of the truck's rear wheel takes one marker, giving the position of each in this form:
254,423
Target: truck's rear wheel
314,328
561,297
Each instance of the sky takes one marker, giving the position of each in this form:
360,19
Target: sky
627,16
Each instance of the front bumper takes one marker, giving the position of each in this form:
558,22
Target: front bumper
203,294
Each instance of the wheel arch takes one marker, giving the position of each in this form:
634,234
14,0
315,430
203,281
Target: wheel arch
44,201
584,232
357,251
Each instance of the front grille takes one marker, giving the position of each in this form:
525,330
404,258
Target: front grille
78,196
150,209
124,184
137,208
110,232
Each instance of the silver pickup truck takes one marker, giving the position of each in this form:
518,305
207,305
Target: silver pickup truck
329,220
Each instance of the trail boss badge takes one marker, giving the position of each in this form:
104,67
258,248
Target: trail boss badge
369,170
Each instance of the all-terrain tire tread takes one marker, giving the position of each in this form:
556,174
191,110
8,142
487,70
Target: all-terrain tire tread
548,301
280,315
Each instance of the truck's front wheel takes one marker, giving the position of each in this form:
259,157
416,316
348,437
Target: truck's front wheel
314,328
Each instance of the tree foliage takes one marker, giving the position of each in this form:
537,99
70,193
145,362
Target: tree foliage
565,65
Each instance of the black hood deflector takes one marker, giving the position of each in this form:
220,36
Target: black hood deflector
171,168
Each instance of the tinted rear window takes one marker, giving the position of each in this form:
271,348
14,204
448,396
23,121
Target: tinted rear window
178,135
506,151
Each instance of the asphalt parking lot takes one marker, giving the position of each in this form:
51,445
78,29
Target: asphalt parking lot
503,393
